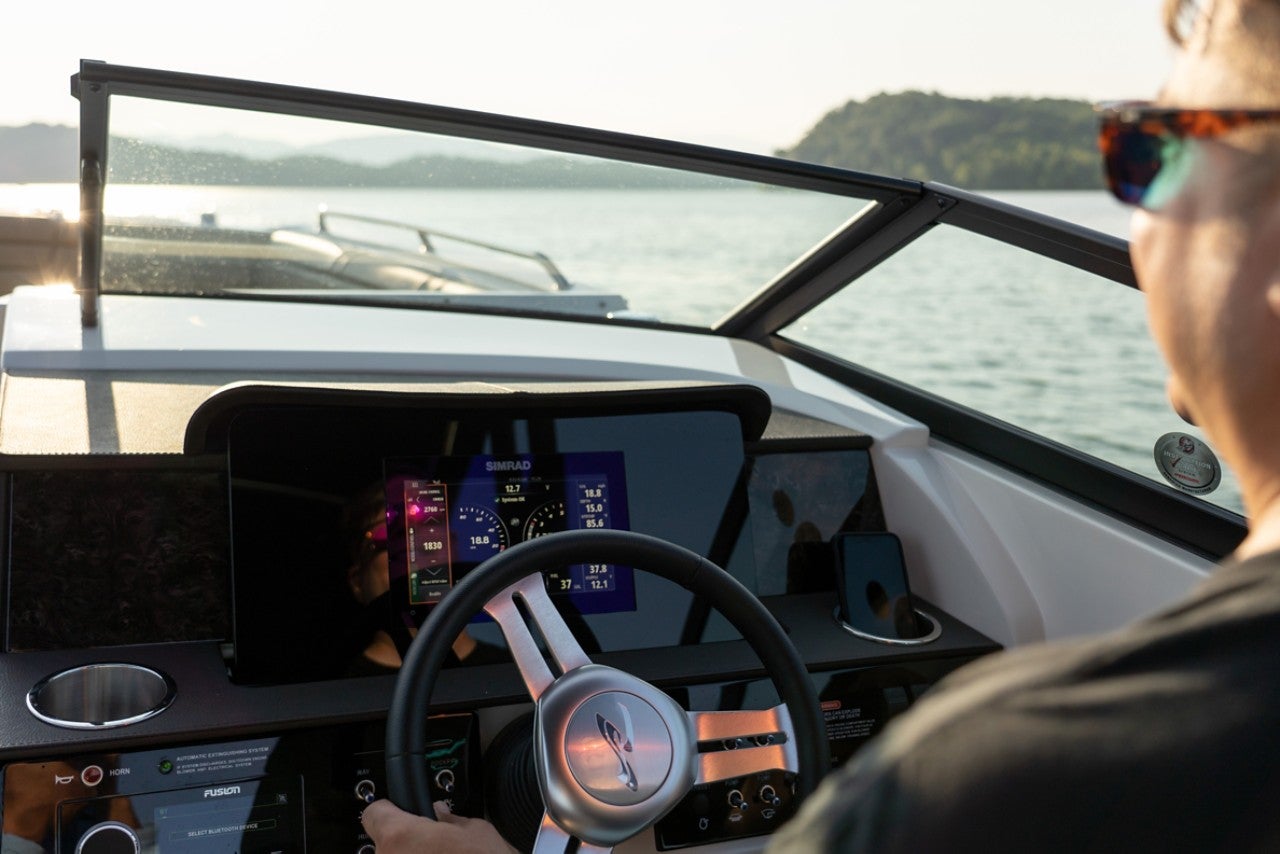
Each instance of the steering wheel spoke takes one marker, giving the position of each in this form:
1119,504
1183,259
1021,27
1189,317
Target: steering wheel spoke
553,839
752,741
564,648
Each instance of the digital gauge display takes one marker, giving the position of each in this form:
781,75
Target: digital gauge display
447,515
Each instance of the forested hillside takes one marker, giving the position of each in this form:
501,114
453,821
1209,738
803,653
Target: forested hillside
1001,143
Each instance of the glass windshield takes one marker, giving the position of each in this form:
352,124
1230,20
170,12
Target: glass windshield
1041,345
215,201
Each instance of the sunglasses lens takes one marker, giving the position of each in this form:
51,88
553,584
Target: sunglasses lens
1133,161
1146,169
1177,158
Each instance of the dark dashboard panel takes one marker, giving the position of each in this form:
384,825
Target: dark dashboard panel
134,554
284,498
135,550
140,552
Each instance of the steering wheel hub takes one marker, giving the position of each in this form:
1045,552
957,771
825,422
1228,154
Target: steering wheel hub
618,748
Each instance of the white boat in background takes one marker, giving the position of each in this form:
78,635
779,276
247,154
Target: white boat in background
242,453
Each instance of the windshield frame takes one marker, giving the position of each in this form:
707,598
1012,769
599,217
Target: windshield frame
897,210
97,81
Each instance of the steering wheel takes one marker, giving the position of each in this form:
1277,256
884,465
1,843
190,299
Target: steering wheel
613,754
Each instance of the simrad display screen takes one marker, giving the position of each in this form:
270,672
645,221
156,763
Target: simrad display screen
447,514
315,562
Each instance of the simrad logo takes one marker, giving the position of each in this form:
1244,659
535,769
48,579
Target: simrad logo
508,465
221,790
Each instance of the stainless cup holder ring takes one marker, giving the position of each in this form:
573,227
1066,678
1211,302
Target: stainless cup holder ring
100,696
933,632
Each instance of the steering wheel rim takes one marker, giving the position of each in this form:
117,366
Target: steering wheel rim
408,774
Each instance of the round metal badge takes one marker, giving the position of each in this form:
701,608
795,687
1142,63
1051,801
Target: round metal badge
1187,463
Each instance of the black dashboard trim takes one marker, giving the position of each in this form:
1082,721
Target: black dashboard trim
209,707
208,426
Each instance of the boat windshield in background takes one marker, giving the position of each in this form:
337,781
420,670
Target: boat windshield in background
964,312
201,191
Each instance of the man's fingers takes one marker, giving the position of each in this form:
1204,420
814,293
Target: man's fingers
385,822
444,814
395,831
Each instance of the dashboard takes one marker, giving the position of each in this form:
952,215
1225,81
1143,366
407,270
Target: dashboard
208,641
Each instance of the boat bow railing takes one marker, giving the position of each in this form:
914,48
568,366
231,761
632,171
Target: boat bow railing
425,236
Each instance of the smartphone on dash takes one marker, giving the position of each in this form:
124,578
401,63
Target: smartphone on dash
871,582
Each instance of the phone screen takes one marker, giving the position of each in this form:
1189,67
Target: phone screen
871,581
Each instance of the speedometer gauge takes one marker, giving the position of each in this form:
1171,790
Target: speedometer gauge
546,519
477,533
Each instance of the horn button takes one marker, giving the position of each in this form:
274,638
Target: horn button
613,753
618,748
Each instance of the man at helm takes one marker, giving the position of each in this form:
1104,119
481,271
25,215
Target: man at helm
1163,736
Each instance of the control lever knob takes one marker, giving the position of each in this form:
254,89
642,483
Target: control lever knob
366,791
736,800
445,780
769,795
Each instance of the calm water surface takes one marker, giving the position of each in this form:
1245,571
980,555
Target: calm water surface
1043,346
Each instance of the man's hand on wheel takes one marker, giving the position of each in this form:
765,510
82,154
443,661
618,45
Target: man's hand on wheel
395,831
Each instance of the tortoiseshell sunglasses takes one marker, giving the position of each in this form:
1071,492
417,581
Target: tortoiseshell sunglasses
1146,150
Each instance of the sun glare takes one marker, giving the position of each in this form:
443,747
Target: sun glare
61,200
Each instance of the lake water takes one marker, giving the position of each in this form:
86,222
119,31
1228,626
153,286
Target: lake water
686,256
1043,346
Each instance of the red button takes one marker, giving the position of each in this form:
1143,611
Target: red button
91,776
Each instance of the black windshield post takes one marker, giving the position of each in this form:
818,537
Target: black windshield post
93,169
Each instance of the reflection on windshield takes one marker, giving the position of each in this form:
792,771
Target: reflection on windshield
420,219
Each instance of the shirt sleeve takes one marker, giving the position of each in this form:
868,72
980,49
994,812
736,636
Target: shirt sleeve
855,809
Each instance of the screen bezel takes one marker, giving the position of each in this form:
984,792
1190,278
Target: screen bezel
292,469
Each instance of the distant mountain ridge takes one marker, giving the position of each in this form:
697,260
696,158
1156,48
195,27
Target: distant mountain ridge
134,162
39,153
1000,143
996,144
44,153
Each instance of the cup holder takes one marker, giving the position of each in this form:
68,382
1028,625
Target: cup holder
98,696
931,630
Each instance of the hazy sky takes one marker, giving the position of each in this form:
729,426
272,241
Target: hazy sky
746,73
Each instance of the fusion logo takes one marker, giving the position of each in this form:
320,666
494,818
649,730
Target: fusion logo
221,791
508,465
620,742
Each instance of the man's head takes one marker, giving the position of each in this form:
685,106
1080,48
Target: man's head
1209,257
